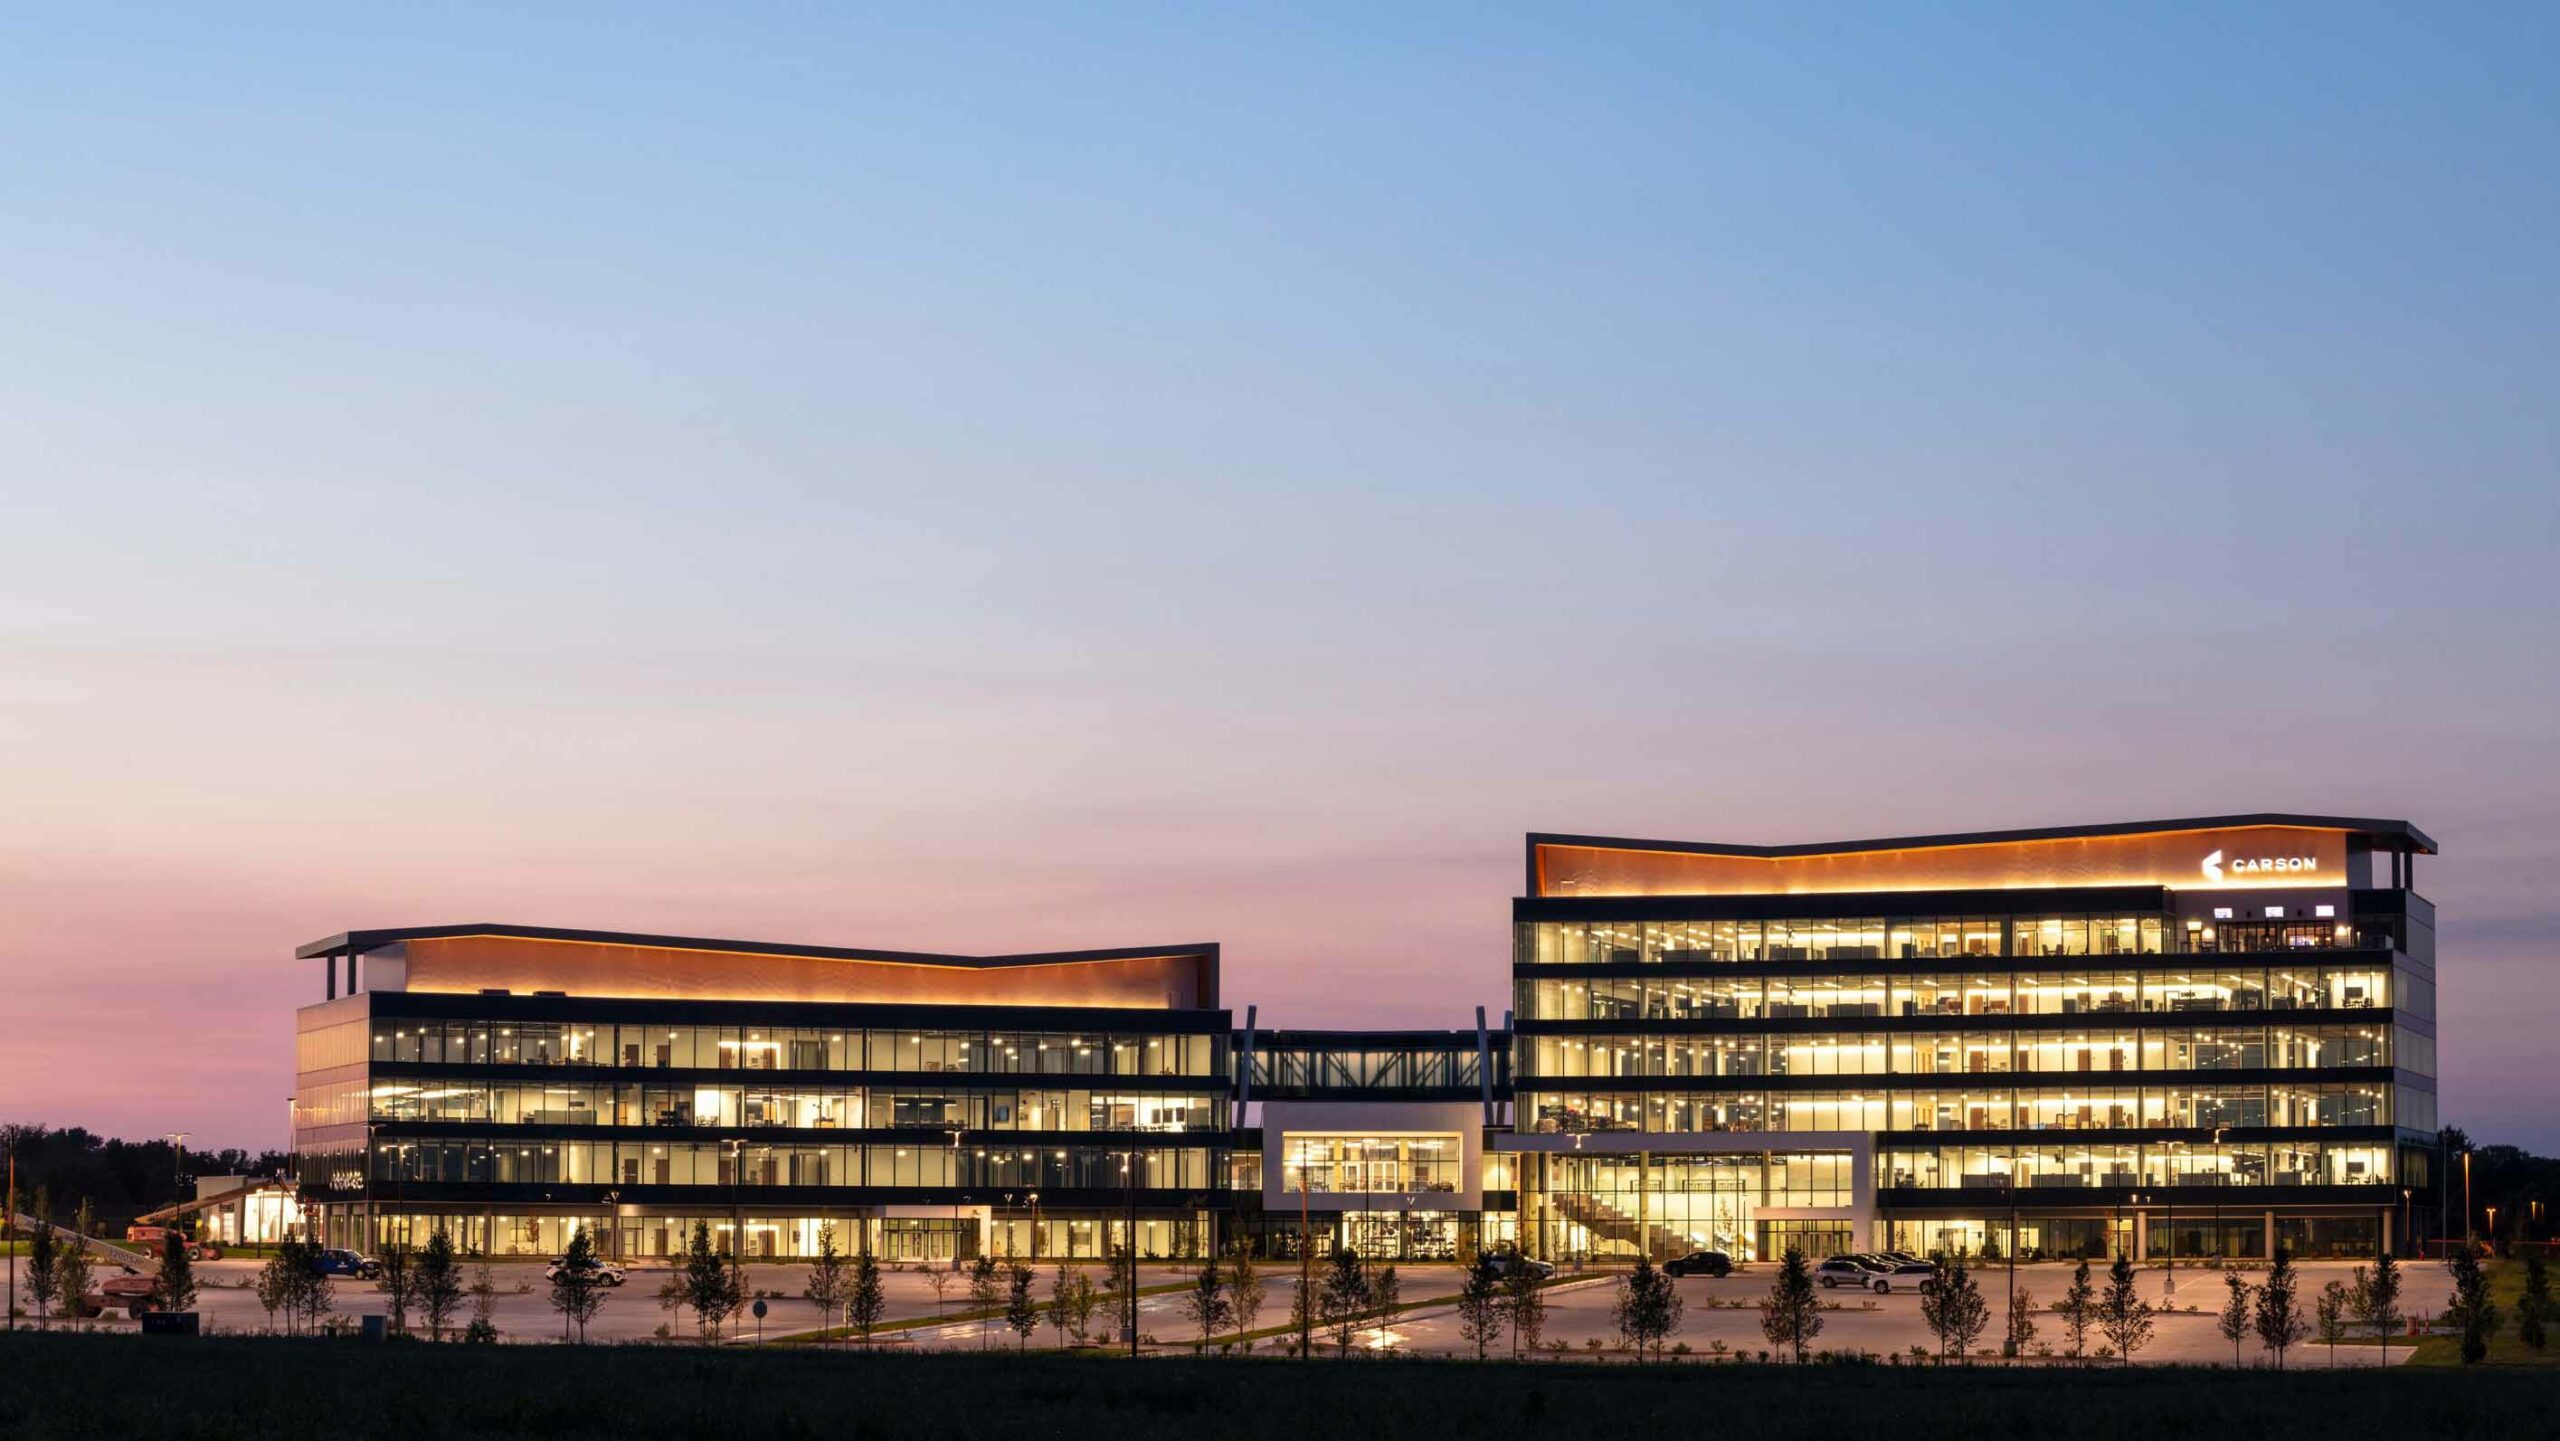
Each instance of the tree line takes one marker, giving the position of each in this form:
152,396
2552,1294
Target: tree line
120,1179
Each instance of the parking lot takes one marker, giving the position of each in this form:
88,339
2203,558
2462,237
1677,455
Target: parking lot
1727,1310
521,1307
1719,1310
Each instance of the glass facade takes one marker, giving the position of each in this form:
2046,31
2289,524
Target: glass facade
2275,1046
2122,1065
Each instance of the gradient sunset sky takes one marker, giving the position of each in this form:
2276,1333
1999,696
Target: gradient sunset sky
1106,475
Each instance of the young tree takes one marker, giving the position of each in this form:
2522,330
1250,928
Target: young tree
75,1268
1790,1316
2534,1304
483,1330
1124,1284
986,1292
2124,1318
314,1294
941,1281
1647,1308
399,1283
2330,1312
1631,1294
1386,1292
1206,1302
1343,1297
44,1259
2470,1309
276,1286
828,1276
439,1283
2233,1323
710,1290
1021,1309
174,1289
2078,1308
1085,1305
577,1288
1480,1306
2376,1300
2022,1321
1951,1306
1244,1290
866,1302
1524,1305
1062,1286
2279,1320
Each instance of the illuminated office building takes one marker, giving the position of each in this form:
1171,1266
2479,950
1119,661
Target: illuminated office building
2192,1037
2214,1035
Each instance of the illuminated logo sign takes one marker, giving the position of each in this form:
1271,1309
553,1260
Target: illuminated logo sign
346,1180
2254,866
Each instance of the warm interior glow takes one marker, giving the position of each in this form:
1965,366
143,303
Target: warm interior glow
2157,858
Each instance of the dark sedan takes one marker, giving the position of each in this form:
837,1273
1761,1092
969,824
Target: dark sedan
1700,1263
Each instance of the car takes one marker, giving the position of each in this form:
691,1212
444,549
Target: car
1902,1278
1905,1258
1506,1262
1846,1271
337,1262
605,1271
1700,1263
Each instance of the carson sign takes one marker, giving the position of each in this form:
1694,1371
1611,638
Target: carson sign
2256,867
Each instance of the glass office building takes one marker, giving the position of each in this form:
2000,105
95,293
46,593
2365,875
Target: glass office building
510,1084
2206,1037
2188,1038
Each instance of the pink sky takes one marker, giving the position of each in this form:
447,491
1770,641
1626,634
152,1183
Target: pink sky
996,482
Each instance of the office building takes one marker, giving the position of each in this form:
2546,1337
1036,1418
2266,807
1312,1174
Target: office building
2194,1037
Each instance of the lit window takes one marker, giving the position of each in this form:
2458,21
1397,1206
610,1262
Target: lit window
2324,911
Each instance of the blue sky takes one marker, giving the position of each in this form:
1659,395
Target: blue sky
1071,475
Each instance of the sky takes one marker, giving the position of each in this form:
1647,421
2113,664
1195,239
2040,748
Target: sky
989,478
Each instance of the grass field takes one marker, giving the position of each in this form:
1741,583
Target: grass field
2428,1289
58,1387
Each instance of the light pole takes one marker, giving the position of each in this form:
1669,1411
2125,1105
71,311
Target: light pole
1579,1178
1129,1184
177,1164
9,1232
2466,1194
2172,1222
2405,1237
1306,1253
2221,1178
955,1199
737,1205
2009,1341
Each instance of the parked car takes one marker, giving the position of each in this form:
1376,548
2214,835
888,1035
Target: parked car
605,1271
1700,1263
1905,1258
1903,1278
335,1262
1506,1262
1846,1271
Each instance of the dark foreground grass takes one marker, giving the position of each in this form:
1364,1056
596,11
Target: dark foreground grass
57,1387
